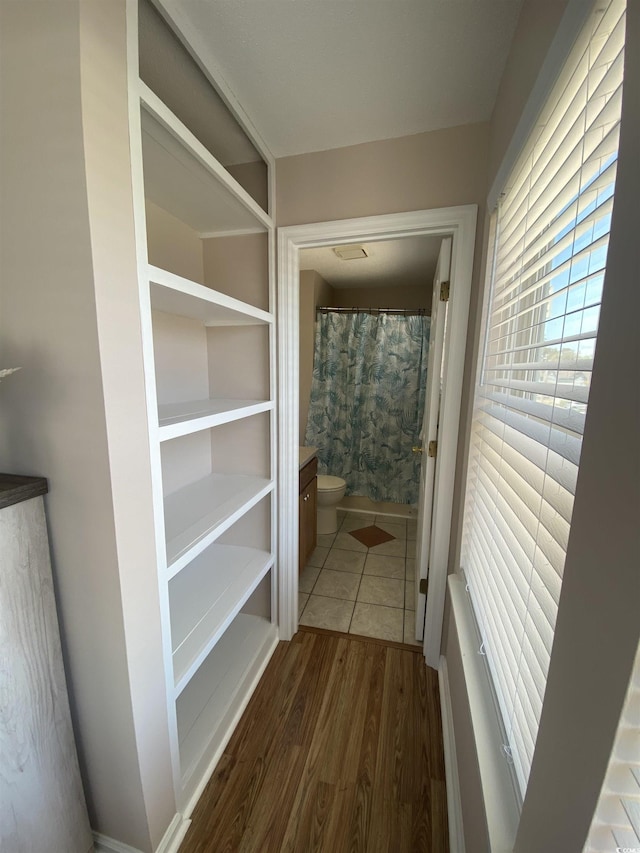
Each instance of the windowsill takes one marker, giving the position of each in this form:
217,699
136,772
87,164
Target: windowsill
501,807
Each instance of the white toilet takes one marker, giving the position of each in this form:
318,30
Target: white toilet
330,492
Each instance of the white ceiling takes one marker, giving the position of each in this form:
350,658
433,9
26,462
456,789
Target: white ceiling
406,261
319,74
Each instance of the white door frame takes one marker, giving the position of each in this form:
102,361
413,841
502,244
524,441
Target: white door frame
460,223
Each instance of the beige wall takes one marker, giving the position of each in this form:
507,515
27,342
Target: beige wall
597,626
172,245
314,291
75,413
438,169
239,266
403,296
254,177
536,28
428,170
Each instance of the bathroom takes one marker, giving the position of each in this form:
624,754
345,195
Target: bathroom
360,577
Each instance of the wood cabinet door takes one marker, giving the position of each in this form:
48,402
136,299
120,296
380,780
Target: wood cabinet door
302,532
308,522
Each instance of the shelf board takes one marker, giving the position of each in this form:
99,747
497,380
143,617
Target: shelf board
204,597
197,514
174,294
177,419
186,180
207,709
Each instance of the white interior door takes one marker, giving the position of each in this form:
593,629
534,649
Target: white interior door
430,430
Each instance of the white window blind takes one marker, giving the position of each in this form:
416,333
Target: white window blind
541,322
617,819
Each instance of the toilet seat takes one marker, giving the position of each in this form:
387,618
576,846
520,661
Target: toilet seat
327,483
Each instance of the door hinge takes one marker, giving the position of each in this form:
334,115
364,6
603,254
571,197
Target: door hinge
433,449
423,586
445,289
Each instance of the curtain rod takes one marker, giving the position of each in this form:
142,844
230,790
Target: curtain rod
406,311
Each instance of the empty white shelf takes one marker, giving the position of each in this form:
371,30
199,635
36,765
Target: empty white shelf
176,419
204,597
209,706
174,294
186,180
197,514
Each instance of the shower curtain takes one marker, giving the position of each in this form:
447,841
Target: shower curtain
367,401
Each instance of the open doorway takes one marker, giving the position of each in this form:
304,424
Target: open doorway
364,330
389,280
459,223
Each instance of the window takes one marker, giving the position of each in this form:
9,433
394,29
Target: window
616,822
540,328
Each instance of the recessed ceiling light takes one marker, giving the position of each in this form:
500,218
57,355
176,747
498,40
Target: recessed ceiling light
350,253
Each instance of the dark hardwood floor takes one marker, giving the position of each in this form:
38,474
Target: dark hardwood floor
339,749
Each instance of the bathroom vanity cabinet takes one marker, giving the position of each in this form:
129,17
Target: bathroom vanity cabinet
307,512
205,248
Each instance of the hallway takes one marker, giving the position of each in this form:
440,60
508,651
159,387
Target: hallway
340,749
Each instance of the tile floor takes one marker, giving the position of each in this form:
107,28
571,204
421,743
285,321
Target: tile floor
348,587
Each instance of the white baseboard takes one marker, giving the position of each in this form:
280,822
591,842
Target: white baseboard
454,803
174,835
170,841
104,844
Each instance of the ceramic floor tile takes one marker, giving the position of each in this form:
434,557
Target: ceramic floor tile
346,542
409,595
387,591
337,585
325,540
354,521
410,628
395,528
308,576
372,620
330,613
303,597
345,561
411,569
318,557
395,548
385,567
411,530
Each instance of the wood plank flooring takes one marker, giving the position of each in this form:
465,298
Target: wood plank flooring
339,749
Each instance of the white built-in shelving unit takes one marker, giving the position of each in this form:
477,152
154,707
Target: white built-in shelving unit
205,249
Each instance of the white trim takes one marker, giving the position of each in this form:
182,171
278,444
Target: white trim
232,232
173,837
575,14
140,229
501,808
457,221
454,802
104,844
453,374
171,840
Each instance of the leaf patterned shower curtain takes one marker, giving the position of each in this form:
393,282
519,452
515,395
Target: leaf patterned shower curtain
367,401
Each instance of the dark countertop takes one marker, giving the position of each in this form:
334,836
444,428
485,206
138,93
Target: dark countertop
15,488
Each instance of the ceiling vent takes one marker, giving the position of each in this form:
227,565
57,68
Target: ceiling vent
350,253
